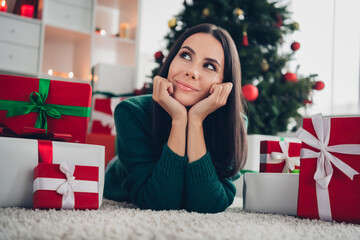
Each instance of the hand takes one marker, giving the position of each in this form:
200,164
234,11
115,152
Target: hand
219,94
162,90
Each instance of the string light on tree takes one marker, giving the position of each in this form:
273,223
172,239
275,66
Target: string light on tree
250,92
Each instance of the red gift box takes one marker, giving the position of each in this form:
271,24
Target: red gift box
106,140
279,156
329,183
57,106
102,116
65,186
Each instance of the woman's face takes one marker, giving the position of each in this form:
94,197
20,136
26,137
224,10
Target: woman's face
197,66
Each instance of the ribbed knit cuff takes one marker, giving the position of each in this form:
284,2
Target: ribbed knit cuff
172,164
200,171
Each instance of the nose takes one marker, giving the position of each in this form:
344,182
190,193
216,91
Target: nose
192,73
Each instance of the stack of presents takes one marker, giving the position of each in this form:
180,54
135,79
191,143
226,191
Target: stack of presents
51,157
315,175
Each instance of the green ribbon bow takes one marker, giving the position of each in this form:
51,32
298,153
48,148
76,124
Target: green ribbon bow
37,104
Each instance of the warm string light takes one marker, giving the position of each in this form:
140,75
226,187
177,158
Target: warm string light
60,74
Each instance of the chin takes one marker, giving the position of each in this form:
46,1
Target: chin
186,100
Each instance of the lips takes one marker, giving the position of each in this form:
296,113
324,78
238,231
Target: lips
186,87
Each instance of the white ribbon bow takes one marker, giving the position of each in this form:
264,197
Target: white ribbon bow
290,162
324,169
66,189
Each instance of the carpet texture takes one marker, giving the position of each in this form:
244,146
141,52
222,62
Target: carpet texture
124,221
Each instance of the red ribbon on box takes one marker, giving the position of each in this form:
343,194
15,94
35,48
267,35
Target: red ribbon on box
336,190
279,156
65,186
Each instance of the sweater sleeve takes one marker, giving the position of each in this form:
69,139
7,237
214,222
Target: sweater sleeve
152,182
205,191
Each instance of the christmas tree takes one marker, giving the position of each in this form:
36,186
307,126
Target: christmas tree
274,93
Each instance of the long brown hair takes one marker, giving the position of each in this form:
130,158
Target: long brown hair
224,129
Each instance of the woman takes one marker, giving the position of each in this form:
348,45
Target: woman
179,147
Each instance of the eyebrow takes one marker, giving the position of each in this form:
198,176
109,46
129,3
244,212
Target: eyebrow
207,59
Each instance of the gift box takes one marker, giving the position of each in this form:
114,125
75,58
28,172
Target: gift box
102,116
66,186
56,106
19,157
106,140
329,186
253,157
279,156
271,192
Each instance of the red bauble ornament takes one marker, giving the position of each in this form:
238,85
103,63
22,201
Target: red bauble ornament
245,41
290,77
307,101
279,22
295,46
319,85
250,92
159,56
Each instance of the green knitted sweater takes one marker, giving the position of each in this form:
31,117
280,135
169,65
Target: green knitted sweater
164,183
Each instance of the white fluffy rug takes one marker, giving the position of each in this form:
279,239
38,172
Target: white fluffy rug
123,221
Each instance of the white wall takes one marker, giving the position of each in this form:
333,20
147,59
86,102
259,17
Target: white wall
153,26
330,45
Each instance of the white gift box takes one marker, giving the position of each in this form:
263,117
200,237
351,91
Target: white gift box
19,157
271,192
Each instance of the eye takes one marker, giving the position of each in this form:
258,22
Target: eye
210,66
185,55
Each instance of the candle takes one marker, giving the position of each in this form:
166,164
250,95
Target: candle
125,30
27,10
3,6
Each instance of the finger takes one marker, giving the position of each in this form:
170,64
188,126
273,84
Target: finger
216,93
165,88
171,89
157,81
226,92
213,87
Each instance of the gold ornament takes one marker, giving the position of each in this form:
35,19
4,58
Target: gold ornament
296,26
206,12
264,65
238,11
172,23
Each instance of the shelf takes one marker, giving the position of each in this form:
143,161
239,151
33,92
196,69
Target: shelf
18,17
117,39
53,32
66,51
46,76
